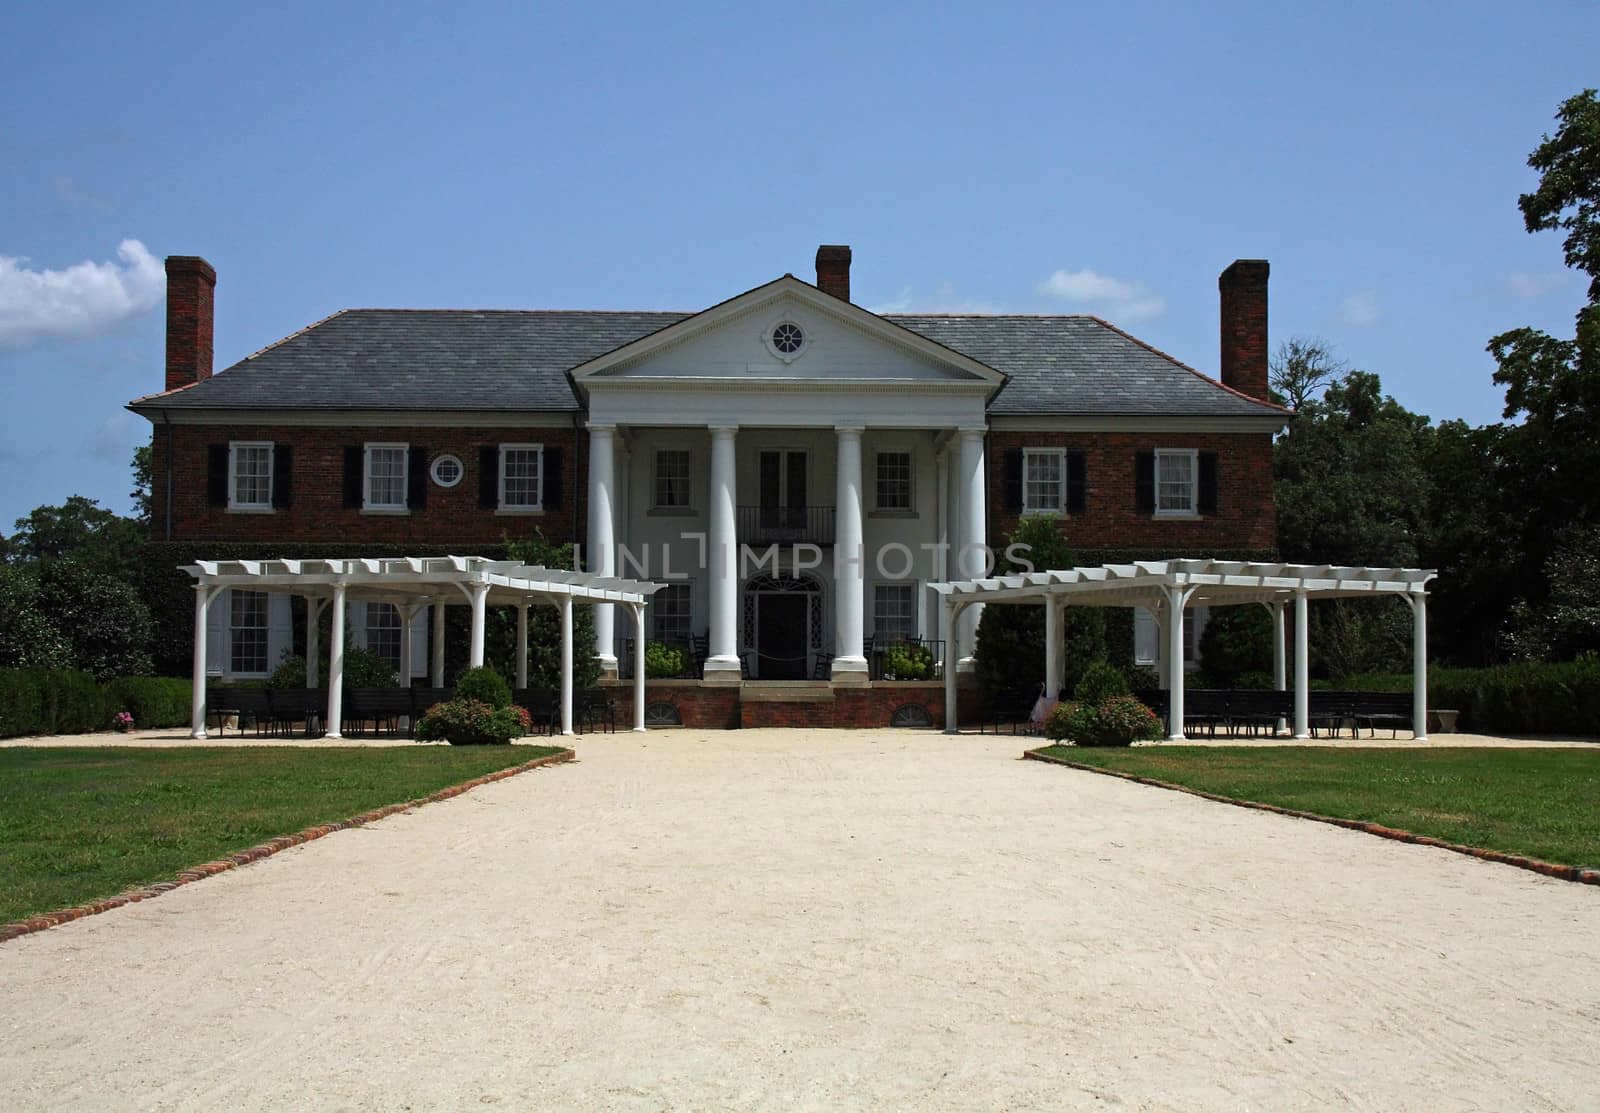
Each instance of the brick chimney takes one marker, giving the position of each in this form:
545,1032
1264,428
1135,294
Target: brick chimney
191,283
1244,326
833,270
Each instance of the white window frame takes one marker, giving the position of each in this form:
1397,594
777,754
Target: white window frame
234,502
265,628
384,628
910,588
366,476
537,505
688,613
685,507
441,459
1193,456
911,479
1060,456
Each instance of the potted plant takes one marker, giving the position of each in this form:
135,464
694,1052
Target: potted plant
908,661
662,661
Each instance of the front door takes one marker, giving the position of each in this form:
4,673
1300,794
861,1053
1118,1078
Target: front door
781,625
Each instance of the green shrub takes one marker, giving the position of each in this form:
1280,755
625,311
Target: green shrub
153,701
484,685
904,661
472,722
365,669
1535,697
1143,678
663,661
1236,641
50,701
1099,682
1119,721
290,673
28,638
104,621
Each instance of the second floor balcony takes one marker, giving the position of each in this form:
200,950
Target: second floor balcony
786,525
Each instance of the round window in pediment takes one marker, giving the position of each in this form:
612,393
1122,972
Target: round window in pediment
787,338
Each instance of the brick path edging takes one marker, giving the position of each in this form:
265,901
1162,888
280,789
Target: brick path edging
1548,869
45,920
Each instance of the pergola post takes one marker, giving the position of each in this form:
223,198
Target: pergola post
1419,666
1280,652
1302,664
407,616
336,666
522,644
952,615
313,640
480,606
566,663
638,666
436,679
1176,598
1158,613
203,594
1053,615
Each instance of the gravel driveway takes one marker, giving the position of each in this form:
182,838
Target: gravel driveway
766,920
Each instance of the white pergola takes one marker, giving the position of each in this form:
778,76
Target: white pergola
413,584
1167,587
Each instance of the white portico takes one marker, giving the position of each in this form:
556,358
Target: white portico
796,470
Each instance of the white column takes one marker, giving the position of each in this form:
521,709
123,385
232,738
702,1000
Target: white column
197,702
1053,615
849,557
437,677
313,640
971,535
722,558
408,616
522,645
1280,653
1302,666
566,664
602,554
951,619
480,607
1176,598
334,727
638,666
1419,666
941,538
1158,614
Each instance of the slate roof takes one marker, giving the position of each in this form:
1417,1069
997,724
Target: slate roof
455,359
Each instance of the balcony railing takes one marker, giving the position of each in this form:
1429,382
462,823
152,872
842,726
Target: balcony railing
786,525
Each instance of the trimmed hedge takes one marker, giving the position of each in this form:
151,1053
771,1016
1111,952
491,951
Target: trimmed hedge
65,701
1530,698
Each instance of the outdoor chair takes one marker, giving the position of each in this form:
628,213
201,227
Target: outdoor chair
823,669
1387,709
543,706
292,707
382,707
245,703
1205,708
699,650
1256,710
593,710
1330,711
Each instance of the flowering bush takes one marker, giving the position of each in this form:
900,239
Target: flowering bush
122,721
1119,721
472,722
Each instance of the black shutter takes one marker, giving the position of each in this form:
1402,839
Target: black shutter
355,463
1208,482
1144,483
282,475
1077,481
417,478
489,477
552,479
1011,485
217,475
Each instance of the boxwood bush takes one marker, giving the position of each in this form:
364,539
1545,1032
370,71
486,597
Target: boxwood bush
1533,697
153,701
50,701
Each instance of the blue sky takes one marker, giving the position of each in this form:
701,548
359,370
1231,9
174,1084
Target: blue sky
1050,158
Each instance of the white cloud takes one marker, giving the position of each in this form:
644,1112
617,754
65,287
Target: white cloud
1361,309
82,300
116,437
1114,298
942,300
1524,284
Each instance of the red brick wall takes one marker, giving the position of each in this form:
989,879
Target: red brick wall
191,292
1245,517
719,706
1243,287
318,514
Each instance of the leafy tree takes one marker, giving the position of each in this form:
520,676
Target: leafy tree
81,529
544,626
1569,185
1569,623
1301,370
100,616
1236,641
28,637
141,485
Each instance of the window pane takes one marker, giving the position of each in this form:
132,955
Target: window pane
519,473
894,481
1042,481
669,615
894,616
672,477
386,478
252,475
1175,481
247,629
383,632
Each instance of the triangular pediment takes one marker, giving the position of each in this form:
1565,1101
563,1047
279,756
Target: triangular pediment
787,331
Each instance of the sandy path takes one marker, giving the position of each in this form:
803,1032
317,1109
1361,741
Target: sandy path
818,920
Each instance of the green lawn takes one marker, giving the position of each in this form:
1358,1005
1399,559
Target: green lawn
1544,803
80,824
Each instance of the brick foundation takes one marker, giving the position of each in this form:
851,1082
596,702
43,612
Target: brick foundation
712,706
